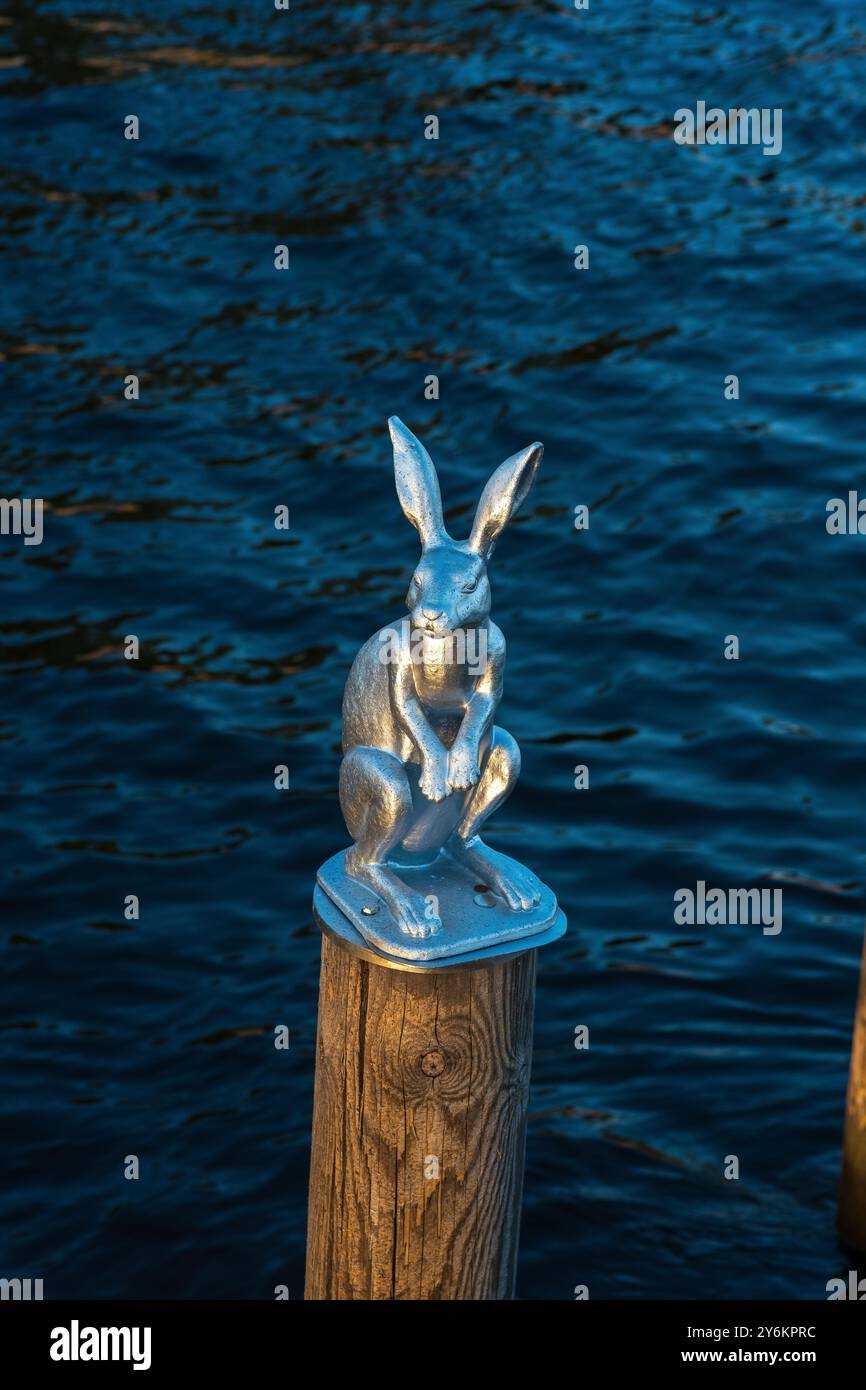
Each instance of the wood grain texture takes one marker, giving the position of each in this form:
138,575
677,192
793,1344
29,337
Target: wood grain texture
419,1124
852,1188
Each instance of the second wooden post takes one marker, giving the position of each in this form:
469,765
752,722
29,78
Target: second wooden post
852,1189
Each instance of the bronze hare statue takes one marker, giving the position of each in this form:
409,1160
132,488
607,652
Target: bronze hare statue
424,764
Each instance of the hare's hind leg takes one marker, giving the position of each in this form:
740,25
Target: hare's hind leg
499,773
377,806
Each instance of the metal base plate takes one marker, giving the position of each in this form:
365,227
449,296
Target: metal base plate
335,925
475,925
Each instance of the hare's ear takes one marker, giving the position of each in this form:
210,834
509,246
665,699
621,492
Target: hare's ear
502,497
417,484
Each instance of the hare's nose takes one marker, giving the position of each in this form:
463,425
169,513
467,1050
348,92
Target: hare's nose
432,613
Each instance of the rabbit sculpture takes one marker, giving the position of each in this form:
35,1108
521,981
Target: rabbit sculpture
424,765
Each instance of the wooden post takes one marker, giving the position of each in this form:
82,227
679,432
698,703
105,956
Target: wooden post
419,1121
852,1189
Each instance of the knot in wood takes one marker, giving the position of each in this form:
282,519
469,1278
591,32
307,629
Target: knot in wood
432,1062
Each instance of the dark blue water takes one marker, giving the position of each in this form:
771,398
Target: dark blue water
412,257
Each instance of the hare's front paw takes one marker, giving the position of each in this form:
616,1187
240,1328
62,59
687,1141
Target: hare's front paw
434,778
462,767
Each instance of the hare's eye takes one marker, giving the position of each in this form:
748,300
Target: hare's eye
470,587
